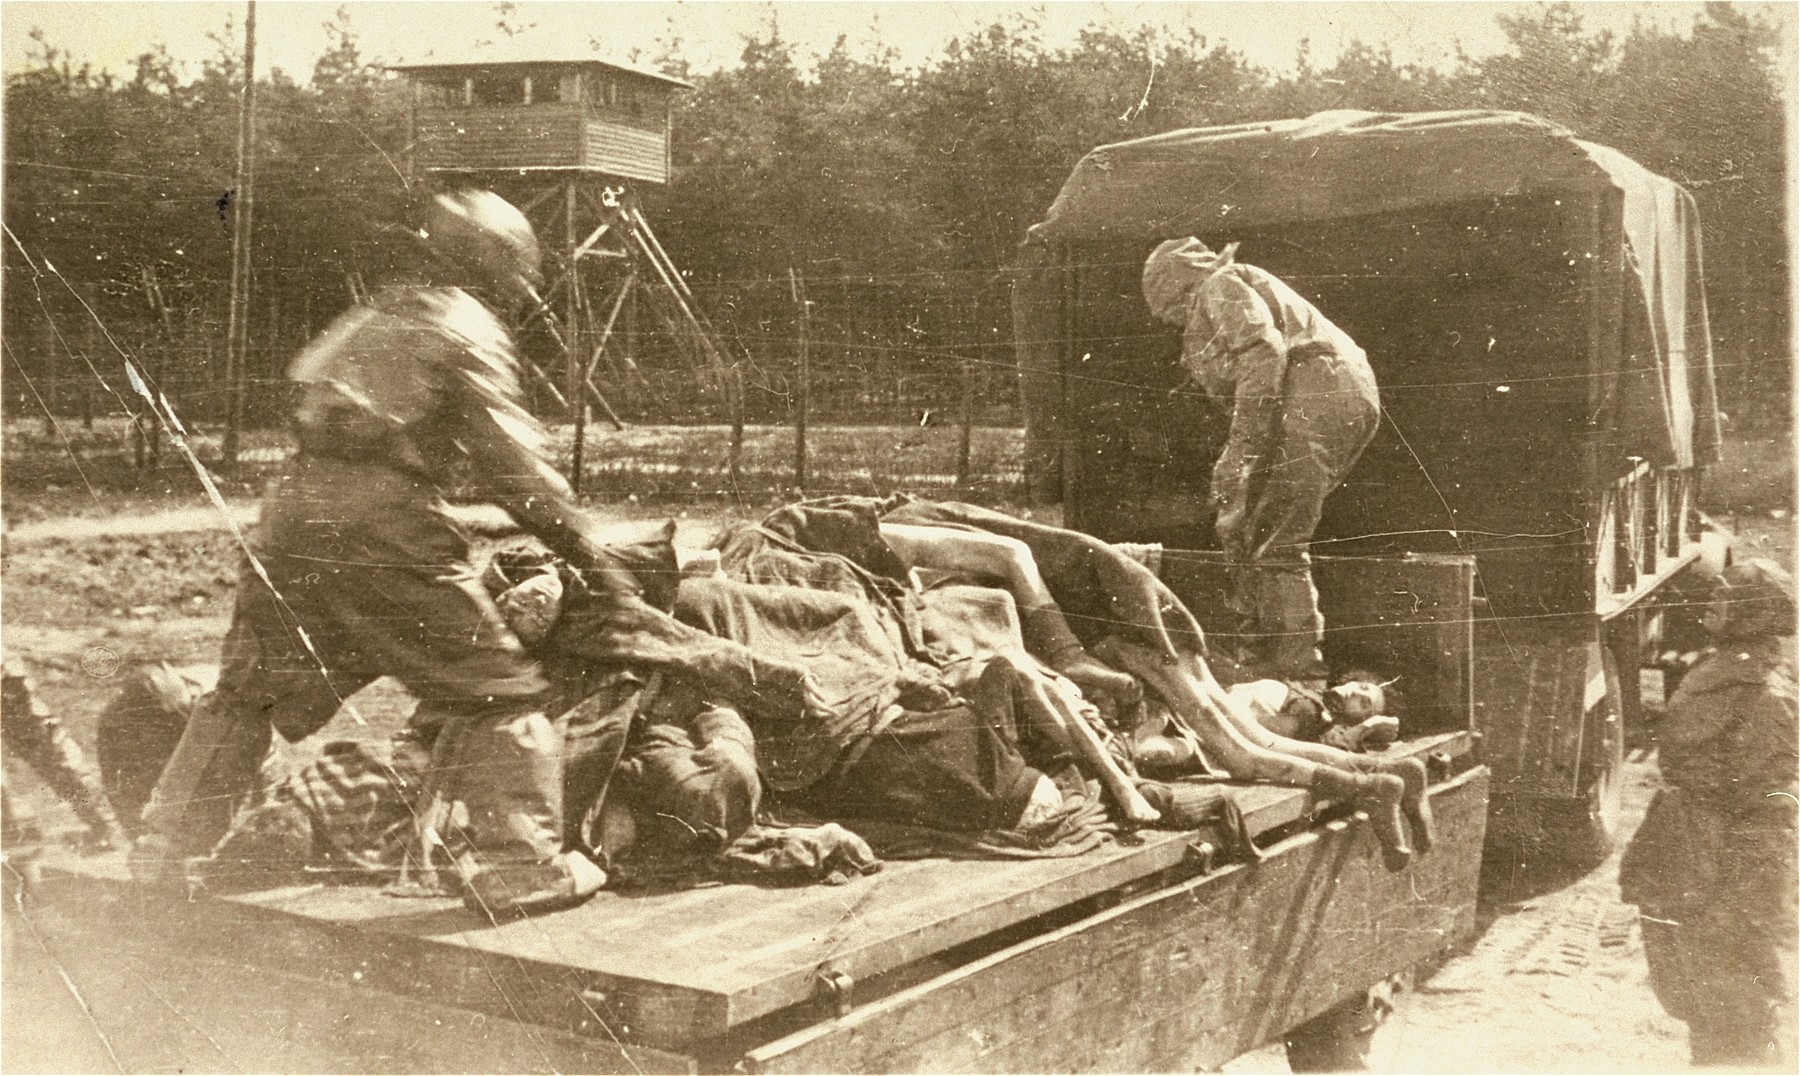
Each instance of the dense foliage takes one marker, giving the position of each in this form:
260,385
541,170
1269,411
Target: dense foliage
895,196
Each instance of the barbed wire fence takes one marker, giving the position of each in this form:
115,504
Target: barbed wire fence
879,385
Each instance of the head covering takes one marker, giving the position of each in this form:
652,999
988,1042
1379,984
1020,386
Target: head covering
487,240
1172,270
1758,600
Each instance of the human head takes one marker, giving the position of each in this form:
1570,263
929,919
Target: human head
1359,694
1172,270
1752,599
481,242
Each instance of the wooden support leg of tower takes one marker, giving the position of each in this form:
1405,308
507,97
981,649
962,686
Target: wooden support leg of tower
618,424
593,360
639,238
547,381
573,357
671,278
731,378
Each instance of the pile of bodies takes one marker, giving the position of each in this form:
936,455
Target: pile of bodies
849,678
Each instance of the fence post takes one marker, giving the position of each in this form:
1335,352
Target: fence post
90,348
237,332
734,455
803,378
966,393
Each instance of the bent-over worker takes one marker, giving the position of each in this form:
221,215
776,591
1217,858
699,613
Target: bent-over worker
1303,405
359,572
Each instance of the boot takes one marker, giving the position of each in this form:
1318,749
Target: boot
1378,794
1414,803
1287,611
518,889
504,772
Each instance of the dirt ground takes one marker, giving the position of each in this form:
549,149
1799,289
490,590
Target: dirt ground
1555,983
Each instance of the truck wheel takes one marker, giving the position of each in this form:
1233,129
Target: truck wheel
1344,1038
1594,827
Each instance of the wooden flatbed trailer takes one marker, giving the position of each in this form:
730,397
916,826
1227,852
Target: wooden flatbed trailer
1153,954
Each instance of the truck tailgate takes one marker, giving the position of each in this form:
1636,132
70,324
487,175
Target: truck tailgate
1185,976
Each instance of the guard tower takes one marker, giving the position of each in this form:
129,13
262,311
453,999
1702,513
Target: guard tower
568,141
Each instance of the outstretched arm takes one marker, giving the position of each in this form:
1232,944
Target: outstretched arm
504,443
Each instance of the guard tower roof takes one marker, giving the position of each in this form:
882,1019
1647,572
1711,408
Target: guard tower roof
502,57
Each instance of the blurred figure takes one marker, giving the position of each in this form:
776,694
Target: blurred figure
31,736
1712,868
359,572
1302,406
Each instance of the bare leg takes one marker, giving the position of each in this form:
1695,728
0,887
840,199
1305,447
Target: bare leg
1247,750
1039,705
1046,631
1411,771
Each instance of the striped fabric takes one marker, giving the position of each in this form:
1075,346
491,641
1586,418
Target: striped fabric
348,813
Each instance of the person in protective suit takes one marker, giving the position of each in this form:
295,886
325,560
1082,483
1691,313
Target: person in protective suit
1303,405
1712,867
357,571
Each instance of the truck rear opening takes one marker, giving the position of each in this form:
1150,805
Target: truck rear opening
1533,307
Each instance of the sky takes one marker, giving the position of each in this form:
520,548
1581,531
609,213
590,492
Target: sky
290,33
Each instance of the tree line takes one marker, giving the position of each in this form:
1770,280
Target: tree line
897,196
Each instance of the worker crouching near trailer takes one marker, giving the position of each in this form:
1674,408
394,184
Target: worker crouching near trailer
356,570
1712,867
1303,405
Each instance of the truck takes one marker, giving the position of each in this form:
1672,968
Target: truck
1534,309
1163,950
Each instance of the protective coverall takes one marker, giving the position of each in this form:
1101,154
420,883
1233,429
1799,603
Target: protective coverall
359,572
1303,405
1712,867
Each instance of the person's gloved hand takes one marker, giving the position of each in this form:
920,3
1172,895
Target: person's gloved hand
922,690
786,691
531,607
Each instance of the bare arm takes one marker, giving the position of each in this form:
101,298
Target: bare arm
1043,628
953,549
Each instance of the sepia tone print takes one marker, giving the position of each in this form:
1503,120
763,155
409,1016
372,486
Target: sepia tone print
898,537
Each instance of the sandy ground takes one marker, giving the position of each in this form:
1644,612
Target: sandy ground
1553,984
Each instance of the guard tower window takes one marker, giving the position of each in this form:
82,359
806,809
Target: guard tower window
441,94
498,90
615,94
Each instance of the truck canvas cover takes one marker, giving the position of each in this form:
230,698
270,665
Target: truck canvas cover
1657,387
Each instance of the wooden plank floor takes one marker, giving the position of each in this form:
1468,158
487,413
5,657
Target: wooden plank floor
694,964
